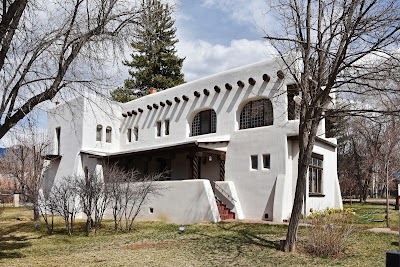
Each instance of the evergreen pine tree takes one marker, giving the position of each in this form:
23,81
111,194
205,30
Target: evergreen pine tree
154,61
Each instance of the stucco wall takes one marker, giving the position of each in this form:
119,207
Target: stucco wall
183,202
330,185
69,117
256,189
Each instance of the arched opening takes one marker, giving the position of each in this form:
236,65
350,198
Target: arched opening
99,132
256,113
204,122
108,134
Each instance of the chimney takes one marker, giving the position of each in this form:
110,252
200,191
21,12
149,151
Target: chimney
153,90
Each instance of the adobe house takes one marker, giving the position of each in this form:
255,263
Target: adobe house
229,140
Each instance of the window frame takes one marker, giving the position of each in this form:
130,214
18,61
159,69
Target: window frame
108,134
315,183
254,162
99,133
204,123
166,127
266,158
158,128
129,135
251,115
136,133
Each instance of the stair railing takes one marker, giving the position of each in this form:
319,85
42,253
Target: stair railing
224,193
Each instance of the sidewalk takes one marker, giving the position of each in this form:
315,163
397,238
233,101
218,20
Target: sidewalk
375,230
383,230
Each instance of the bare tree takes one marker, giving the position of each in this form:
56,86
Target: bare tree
47,209
65,201
24,161
339,44
47,46
129,191
94,198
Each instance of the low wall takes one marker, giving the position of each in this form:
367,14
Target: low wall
180,202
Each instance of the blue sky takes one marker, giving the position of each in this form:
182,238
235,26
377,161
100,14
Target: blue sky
214,35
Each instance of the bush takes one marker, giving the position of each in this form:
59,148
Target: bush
331,232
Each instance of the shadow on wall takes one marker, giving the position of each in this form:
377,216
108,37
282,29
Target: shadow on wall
50,174
269,209
178,108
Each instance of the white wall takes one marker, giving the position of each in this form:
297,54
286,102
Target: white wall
181,202
256,189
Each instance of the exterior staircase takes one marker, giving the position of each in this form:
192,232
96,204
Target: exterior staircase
224,212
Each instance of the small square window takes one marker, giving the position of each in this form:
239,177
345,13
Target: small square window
158,125
254,162
166,127
266,161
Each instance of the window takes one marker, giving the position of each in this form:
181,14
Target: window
99,132
293,108
58,138
254,162
136,133
129,135
204,122
108,134
166,127
257,113
266,161
315,174
158,125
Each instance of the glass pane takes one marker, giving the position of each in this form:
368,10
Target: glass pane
254,162
166,125
158,128
266,161
129,135
136,133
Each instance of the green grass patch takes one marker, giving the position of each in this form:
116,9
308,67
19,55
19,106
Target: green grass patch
373,215
161,244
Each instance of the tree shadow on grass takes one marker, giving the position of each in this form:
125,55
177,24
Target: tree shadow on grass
9,244
235,241
12,240
245,237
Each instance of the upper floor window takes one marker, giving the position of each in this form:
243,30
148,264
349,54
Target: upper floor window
136,133
99,131
58,138
257,113
166,127
129,135
108,134
158,128
204,122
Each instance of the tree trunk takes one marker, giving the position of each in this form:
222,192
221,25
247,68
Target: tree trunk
36,214
307,135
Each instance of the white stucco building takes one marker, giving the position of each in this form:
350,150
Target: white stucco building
230,136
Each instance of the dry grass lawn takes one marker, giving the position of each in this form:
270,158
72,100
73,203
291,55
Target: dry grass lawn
160,244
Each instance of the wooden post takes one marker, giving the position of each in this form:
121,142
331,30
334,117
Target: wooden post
222,170
195,169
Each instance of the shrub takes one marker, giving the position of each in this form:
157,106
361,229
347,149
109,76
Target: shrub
331,232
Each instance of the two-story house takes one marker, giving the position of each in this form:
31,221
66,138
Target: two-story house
230,136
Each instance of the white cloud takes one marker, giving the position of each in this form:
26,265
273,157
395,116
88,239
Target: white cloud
203,58
256,12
